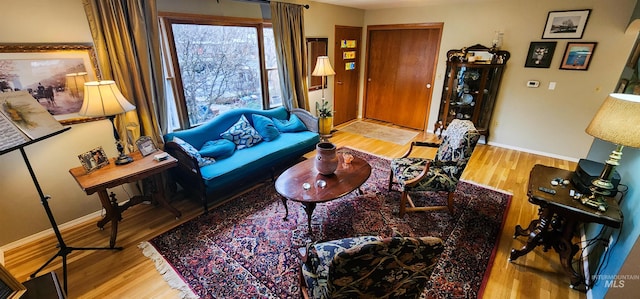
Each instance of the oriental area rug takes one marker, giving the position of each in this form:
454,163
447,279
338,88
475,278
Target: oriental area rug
244,249
380,132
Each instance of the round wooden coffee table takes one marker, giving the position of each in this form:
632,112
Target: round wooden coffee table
347,178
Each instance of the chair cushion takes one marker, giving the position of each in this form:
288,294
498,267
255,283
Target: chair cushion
320,256
242,134
202,161
439,178
218,149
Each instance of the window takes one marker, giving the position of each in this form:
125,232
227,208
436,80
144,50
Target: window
221,64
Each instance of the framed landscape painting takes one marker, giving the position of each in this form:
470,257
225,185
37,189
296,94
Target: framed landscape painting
577,56
566,24
54,74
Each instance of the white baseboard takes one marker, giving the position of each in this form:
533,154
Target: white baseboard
48,232
526,150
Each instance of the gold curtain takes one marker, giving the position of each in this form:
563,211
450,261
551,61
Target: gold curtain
288,30
127,42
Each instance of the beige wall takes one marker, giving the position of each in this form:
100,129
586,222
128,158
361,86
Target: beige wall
531,119
538,120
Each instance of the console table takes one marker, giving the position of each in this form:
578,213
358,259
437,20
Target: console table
559,215
113,175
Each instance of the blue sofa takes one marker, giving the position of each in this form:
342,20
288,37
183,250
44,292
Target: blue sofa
212,183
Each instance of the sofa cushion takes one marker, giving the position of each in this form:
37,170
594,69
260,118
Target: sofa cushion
242,134
294,124
202,161
218,149
265,127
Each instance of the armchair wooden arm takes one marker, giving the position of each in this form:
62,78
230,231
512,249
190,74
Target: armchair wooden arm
419,143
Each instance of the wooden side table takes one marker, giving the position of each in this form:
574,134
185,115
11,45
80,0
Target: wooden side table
113,175
559,215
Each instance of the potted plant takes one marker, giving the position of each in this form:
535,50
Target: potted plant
325,117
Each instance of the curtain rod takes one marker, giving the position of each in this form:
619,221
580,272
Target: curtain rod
268,2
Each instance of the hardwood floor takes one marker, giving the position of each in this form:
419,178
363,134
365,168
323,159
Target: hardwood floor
128,274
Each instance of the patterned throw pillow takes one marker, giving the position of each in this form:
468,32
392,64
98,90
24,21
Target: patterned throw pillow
202,161
242,134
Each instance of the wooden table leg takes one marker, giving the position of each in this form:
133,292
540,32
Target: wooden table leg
161,196
286,209
566,250
536,237
309,207
112,213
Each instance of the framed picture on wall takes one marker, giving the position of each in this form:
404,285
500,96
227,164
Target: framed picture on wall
577,56
566,24
540,54
54,75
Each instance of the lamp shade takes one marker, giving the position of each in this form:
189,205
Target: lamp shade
618,120
75,83
323,67
103,98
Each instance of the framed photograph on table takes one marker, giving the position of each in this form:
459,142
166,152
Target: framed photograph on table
540,54
566,24
93,159
146,146
577,56
54,74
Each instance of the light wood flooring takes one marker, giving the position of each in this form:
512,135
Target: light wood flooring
128,274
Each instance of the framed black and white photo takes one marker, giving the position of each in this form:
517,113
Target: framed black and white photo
93,159
577,56
145,145
566,24
540,54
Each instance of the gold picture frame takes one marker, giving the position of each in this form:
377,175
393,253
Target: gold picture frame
10,287
54,74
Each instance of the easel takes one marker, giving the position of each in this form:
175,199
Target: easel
63,250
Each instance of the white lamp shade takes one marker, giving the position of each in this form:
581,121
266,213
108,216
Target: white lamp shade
103,98
618,120
323,67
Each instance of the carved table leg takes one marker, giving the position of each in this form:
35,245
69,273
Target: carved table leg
566,250
114,220
536,237
526,231
286,209
309,207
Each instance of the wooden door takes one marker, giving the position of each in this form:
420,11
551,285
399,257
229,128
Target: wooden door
401,64
345,86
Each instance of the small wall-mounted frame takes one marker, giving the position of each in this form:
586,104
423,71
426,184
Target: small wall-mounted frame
93,159
577,56
316,46
566,24
146,146
540,54
10,287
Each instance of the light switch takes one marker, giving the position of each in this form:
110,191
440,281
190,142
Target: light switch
552,85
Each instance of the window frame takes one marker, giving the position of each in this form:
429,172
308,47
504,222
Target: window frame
171,59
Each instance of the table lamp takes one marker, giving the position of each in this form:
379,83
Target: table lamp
617,121
103,98
323,68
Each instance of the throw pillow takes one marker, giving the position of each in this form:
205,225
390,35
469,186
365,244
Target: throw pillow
202,161
294,124
242,134
218,149
265,127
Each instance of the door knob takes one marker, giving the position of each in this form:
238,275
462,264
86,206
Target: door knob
339,82
369,79
428,85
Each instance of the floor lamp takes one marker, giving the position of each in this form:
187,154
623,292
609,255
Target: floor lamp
25,122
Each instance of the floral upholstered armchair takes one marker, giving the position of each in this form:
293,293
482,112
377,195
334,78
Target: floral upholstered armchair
414,174
369,267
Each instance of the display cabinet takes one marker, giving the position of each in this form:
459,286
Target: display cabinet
470,87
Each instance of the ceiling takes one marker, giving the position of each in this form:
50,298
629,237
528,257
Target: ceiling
380,4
